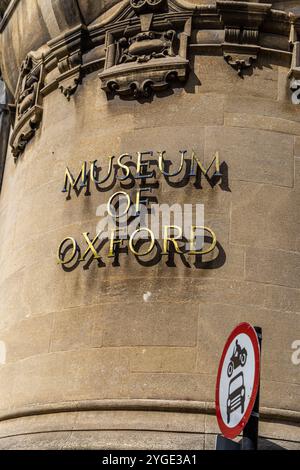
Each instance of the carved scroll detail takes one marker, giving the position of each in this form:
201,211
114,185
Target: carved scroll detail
28,102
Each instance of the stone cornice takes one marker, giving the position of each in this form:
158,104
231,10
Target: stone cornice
144,49
181,4
203,17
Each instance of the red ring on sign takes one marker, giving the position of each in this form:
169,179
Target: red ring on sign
247,329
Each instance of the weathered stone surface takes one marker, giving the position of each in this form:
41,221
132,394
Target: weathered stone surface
261,214
260,151
170,386
263,107
7,377
277,343
42,379
109,440
215,76
29,337
135,343
183,109
161,359
273,266
77,328
252,121
139,326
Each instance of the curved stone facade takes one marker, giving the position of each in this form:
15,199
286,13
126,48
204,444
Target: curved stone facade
124,354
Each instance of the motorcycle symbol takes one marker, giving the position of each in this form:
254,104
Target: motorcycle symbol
238,358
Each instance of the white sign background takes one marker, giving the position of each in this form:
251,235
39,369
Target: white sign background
249,374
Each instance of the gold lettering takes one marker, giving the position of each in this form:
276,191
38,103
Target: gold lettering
73,252
194,160
167,239
94,169
141,165
152,243
123,166
161,163
138,199
72,181
110,201
113,242
91,246
192,241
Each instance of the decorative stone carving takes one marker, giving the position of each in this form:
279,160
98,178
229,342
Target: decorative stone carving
28,102
146,46
142,6
70,69
242,21
147,55
294,73
67,51
237,59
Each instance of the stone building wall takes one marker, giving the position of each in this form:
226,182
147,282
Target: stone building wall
125,354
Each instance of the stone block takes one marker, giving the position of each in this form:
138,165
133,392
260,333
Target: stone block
162,359
263,107
267,123
171,386
13,308
77,328
180,111
265,216
216,76
28,337
278,267
267,156
91,374
138,324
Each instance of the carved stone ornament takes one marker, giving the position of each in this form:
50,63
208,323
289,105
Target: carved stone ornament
70,69
28,102
242,21
294,73
142,6
67,51
147,56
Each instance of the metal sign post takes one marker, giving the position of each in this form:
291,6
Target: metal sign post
250,433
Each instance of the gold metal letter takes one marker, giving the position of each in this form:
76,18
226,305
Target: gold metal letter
72,182
171,239
138,199
73,253
90,247
142,229
204,170
209,249
161,163
141,164
93,169
113,241
112,198
124,167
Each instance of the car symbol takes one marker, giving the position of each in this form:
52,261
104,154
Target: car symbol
236,395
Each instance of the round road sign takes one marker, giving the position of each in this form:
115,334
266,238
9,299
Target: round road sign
237,380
